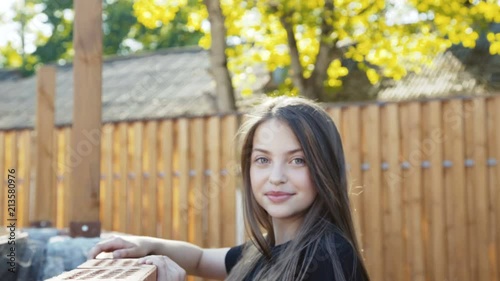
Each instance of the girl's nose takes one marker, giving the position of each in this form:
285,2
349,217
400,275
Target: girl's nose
278,175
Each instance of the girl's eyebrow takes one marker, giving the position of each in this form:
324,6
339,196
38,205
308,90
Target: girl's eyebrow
267,152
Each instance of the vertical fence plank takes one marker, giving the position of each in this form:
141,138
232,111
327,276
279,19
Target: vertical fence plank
137,193
336,114
120,182
107,191
471,194
455,190
11,163
496,155
493,119
213,148
411,135
183,187
67,167
434,200
3,179
351,132
477,112
44,209
197,198
372,221
59,166
229,178
54,175
150,162
23,181
165,183
393,250
134,184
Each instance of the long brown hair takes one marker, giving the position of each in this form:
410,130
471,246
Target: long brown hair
330,211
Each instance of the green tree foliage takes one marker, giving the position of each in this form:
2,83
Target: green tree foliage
119,24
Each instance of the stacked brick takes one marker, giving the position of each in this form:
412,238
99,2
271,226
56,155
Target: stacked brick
110,269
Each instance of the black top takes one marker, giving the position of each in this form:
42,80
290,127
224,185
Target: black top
321,270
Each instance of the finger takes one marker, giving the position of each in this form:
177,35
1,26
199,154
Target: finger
144,260
161,266
124,253
106,246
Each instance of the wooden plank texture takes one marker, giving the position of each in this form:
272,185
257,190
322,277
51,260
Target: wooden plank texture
197,199
230,178
107,191
86,130
183,187
150,163
45,192
165,196
120,182
213,192
3,177
23,181
493,119
432,183
351,132
454,183
371,198
393,247
411,135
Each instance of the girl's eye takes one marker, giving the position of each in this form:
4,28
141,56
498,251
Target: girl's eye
298,161
261,160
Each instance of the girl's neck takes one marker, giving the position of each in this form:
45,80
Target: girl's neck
286,229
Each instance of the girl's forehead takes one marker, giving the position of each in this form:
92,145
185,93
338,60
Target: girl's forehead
275,134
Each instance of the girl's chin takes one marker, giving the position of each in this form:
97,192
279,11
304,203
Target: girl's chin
281,214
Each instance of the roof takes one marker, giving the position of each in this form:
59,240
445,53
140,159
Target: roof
459,71
176,82
163,84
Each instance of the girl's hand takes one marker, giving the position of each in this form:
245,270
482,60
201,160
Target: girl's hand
168,270
129,247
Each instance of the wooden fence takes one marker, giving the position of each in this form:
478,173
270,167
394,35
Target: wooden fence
424,183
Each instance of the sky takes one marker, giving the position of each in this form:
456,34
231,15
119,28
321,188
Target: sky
6,14
9,30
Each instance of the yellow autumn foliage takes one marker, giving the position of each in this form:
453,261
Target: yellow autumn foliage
387,49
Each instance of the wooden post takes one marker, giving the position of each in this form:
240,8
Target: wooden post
86,132
44,208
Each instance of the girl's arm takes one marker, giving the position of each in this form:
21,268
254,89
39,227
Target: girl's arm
208,263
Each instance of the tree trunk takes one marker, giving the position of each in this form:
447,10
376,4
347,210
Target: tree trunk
218,60
312,87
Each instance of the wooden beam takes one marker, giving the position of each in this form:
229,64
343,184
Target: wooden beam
44,208
86,132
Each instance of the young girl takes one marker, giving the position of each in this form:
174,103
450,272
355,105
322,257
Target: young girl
296,208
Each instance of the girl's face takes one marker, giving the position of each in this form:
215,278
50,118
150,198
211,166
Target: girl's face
279,176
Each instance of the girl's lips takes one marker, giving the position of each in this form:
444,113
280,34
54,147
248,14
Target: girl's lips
279,197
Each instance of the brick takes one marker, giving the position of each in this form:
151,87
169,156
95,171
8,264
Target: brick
110,269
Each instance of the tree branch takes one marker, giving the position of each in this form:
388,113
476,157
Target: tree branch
218,60
327,50
297,75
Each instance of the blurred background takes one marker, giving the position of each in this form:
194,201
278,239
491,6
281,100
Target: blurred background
413,87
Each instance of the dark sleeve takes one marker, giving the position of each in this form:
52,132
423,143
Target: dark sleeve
232,257
350,263
322,266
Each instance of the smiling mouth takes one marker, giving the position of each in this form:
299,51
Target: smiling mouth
279,197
